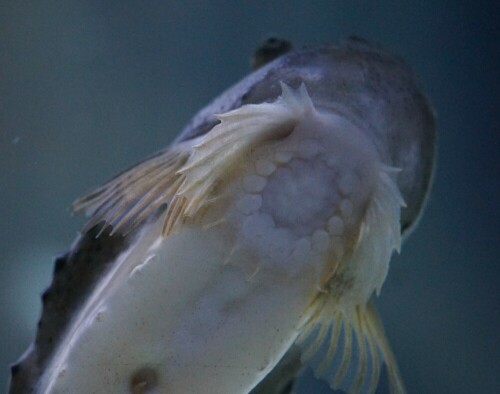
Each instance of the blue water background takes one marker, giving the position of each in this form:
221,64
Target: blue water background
89,87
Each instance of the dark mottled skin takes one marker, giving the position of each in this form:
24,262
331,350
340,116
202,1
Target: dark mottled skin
75,275
270,49
394,112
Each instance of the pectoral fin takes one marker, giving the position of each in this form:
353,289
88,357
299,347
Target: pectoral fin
135,194
221,150
348,351
184,176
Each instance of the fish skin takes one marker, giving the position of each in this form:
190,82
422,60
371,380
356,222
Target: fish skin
394,110
75,275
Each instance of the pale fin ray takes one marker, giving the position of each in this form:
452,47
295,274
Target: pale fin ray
335,335
349,357
156,202
219,152
346,358
358,330
127,178
129,198
395,379
143,203
375,362
311,350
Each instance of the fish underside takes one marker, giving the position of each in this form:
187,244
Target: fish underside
250,247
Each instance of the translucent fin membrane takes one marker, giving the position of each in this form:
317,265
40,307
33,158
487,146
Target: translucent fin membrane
348,352
131,197
185,176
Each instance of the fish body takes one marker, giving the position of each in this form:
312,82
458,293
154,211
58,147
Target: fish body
266,226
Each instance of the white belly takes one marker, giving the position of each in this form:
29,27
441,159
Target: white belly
212,310
200,325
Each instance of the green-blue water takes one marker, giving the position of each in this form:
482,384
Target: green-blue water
87,88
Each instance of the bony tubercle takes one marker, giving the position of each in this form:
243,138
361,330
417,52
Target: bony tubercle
250,247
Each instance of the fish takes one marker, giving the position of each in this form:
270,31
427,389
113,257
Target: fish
252,246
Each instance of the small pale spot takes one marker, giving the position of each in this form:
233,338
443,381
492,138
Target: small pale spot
320,240
282,157
250,203
336,226
346,208
264,167
254,183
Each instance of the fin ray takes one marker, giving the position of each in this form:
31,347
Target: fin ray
346,355
184,177
344,366
128,199
218,152
354,365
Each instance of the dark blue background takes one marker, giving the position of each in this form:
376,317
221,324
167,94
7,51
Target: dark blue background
89,87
